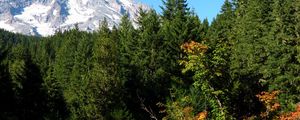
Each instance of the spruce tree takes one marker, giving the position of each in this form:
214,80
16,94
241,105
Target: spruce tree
6,87
248,52
26,80
168,9
105,86
281,71
127,46
67,73
150,82
175,31
218,55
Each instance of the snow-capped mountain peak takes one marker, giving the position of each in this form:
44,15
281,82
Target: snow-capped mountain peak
44,17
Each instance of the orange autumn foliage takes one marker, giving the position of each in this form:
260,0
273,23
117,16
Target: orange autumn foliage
293,115
202,115
193,47
187,113
269,99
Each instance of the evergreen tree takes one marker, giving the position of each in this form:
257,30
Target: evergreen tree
68,76
127,46
218,55
26,80
244,65
175,31
248,52
150,83
106,87
168,9
203,31
6,93
281,71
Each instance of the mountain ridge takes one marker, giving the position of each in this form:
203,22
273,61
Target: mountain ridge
44,17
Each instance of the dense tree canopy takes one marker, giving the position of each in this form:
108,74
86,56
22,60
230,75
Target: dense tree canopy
245,64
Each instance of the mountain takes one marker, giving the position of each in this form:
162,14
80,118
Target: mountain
44,17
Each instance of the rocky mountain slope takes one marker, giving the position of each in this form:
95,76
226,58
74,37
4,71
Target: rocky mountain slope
44,17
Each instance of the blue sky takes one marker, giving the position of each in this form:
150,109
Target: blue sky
204,8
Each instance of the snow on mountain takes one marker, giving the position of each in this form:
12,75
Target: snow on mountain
44,17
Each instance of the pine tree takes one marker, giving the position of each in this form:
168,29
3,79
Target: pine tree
175,31
248,52
7,102
127,43
105,86
67,75
168,9
149,83
282,68
203,31
218,56
26,80
149,43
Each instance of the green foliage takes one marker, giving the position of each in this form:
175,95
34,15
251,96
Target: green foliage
121,115
248,51
282,68
171,66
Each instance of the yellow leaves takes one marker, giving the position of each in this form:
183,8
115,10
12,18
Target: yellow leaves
268,97
218,92
177,111
183,62
202,115
194,60
187,113
194,47
218,73
188,116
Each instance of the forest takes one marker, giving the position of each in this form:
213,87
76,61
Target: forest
244,65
